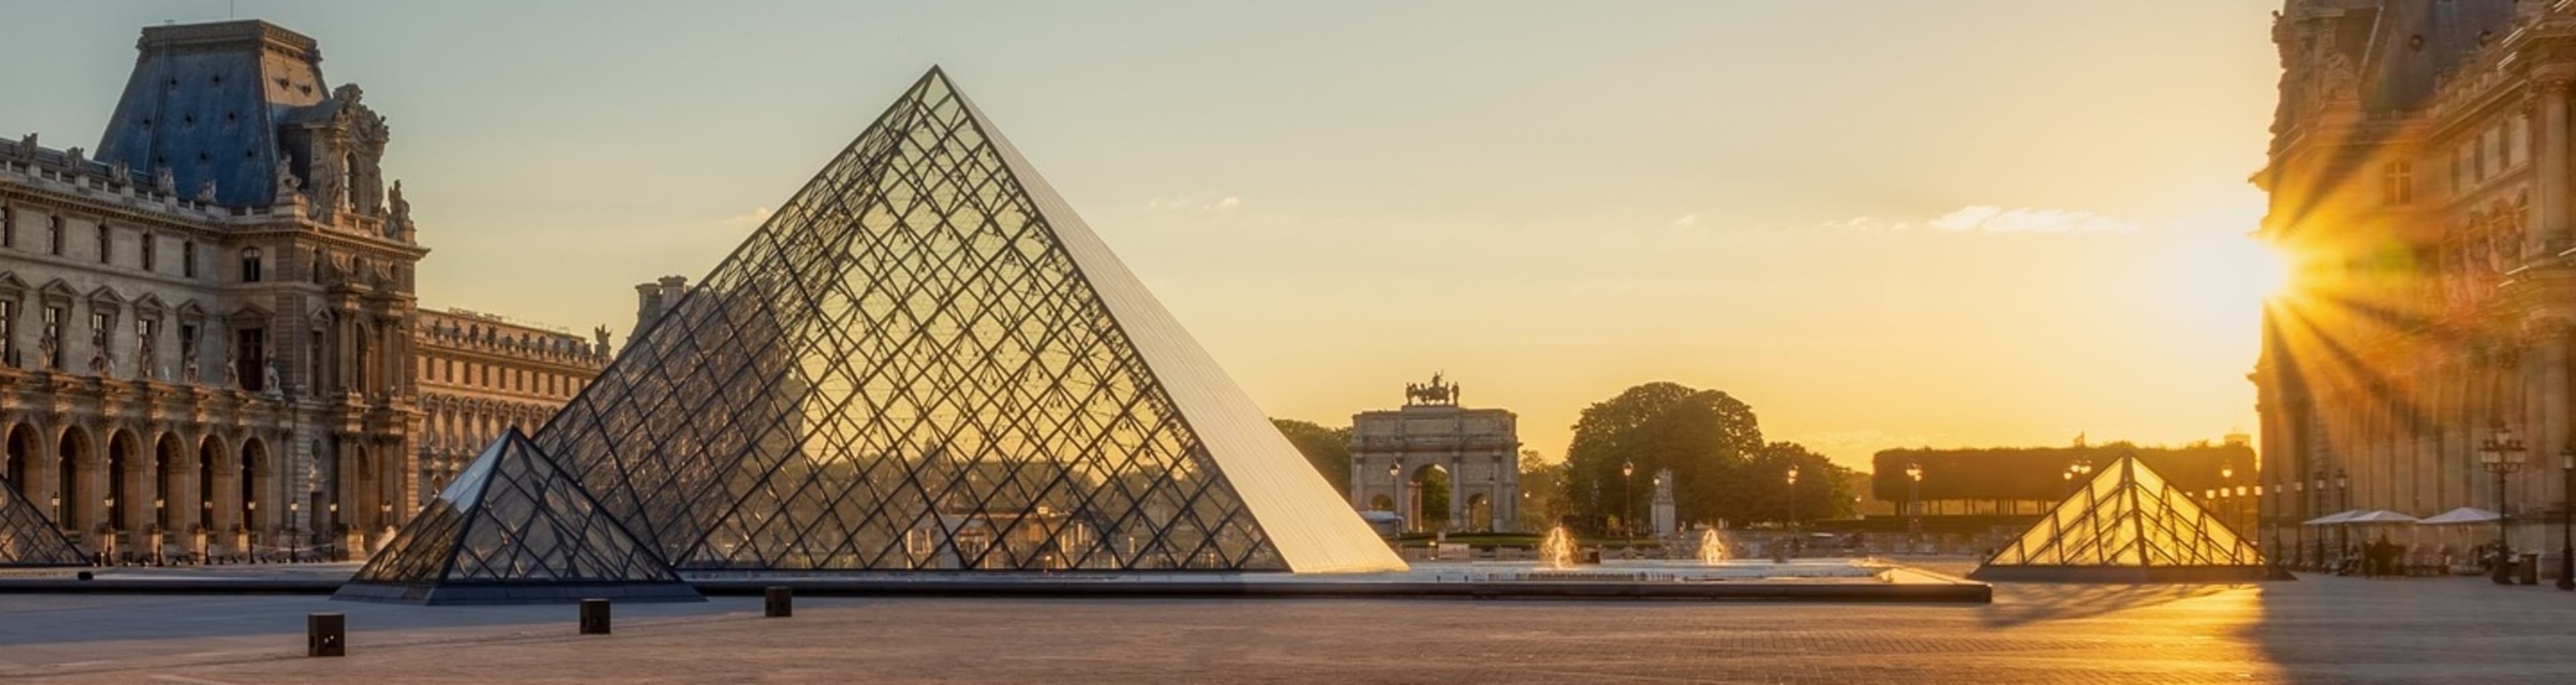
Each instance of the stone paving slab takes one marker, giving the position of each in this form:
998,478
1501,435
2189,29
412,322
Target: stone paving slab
2322,629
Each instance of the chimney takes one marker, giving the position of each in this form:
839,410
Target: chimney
652,300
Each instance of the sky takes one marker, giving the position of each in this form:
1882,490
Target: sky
1882,224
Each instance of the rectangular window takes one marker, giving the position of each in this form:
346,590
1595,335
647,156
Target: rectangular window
2517,140
100,323
147,335
54,235
8,226
188,258
106,248
9,329
151,256
2491,149
251,358
2397,183
53,358
315,371
2459,170
188,342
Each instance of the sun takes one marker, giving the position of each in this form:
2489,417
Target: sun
2224,281
2239,270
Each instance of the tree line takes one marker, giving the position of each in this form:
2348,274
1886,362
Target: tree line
1722,468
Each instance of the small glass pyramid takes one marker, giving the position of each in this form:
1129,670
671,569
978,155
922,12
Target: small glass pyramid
2128,525
27,538
924,360
514,528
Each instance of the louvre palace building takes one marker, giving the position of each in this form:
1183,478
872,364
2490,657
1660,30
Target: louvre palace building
2419,183
211,336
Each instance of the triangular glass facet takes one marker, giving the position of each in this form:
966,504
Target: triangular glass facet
925,360
28,538
514,527
2126,517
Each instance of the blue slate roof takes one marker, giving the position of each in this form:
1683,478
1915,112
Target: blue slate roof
206,100
2416,41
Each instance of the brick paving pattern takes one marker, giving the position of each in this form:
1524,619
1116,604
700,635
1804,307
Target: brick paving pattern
2320,630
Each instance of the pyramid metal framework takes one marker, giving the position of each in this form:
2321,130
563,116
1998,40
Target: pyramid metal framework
28,538
514,528
925,360
2127,525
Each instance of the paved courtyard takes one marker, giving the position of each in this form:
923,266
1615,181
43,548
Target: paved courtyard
2320,630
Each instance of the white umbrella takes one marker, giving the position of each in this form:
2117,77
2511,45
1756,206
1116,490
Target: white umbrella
2331,519
2378,516
2460,515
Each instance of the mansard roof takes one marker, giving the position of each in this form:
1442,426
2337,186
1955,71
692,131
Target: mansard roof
206,100
2412,44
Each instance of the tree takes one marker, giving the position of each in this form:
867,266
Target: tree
1710,441
1327,449
1543,502
1823,492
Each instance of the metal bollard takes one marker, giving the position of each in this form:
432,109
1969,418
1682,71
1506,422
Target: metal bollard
781,601
594,617
326,635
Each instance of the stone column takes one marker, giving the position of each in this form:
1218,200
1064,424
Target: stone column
226,488
2550,224
2549,429
1458,492
44,474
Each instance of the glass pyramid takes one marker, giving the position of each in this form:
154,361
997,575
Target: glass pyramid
2127,524
27,538
925,360
514,528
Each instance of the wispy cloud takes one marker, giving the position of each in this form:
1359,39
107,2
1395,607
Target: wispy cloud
1200,203
1868,224
1686,221
1995,219
750,219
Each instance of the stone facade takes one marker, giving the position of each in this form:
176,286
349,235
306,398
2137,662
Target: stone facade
209,326
1478,449
479,374
2419,179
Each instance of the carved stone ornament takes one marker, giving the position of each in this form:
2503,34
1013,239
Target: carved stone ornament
287,183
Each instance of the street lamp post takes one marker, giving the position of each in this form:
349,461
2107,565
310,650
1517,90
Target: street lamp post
1913,505
2343,502
2227,482
2318,562
2567,518
1395,492
2078,471
1793,505
2502,455
294,533
1657,526
1627,492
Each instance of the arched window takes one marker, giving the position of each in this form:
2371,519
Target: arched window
250,265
